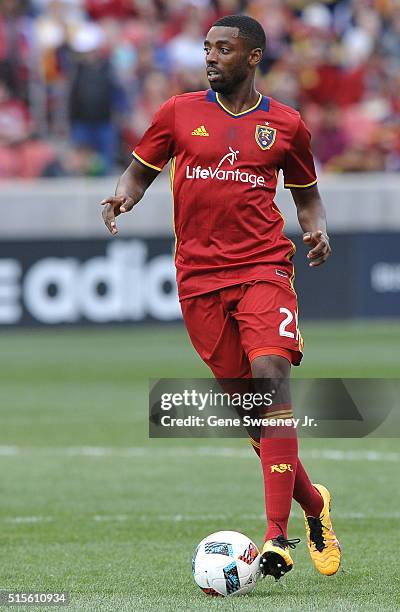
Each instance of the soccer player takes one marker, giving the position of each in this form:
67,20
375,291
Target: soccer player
233,260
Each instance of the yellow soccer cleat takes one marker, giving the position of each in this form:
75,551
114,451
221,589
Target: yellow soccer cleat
322,543
275,557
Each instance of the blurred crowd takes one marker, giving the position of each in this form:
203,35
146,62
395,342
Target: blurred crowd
81,79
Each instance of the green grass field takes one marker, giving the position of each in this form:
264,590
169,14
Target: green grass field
90,505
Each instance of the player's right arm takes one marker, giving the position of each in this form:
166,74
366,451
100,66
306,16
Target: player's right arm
155,148
131,187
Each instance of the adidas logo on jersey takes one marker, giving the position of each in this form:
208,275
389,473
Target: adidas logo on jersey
200,131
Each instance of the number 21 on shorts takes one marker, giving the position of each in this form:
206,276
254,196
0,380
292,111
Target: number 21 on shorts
289,316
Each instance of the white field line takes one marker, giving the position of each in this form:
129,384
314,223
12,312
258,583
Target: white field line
180,518
28,519
191,518
188,452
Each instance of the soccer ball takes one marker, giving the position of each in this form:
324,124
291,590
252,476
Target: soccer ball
226,563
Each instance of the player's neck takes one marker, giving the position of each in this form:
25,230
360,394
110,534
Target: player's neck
241,100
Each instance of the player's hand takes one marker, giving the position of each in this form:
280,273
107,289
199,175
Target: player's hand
114,206
320,250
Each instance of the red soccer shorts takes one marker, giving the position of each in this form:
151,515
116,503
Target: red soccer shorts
232,326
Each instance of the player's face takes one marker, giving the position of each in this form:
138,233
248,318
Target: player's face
228,59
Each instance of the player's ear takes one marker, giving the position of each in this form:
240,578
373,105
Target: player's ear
255,57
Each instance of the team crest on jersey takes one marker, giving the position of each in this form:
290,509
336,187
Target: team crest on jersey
265,136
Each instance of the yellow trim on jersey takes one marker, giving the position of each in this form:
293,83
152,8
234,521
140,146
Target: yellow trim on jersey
171,178
243,112
292,278
145,162
254,442
301,340
293,249
172,174
283,414
300,186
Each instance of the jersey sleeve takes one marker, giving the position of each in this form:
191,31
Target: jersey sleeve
156,146
299,169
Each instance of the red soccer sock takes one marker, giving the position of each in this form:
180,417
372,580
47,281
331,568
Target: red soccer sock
305,493
279,461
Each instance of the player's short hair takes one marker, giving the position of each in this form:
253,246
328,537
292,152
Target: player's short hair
249,28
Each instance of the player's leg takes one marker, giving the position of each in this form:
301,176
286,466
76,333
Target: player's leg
215,335
278,455
267,316
304,492
278,445
322,543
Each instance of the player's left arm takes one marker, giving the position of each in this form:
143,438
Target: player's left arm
312,219
300,177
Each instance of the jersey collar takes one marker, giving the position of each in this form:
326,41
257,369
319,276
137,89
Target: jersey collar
261,104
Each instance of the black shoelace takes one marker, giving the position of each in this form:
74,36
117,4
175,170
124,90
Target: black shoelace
315,525
284,543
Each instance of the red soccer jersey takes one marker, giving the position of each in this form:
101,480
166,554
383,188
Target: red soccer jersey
224,171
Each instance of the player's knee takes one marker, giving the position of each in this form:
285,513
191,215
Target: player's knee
270,366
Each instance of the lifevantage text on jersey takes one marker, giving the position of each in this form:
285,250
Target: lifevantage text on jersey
221,174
